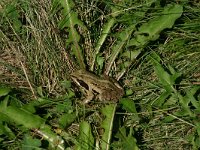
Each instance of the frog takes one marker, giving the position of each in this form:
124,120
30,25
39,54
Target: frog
103,88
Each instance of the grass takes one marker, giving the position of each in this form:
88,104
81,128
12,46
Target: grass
156,60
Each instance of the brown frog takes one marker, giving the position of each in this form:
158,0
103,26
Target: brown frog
102,88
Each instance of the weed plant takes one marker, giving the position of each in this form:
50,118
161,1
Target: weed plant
152,48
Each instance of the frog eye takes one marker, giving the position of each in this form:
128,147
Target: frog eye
83,84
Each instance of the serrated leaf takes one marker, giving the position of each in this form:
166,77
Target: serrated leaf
150,31
123,36
70,21
72,17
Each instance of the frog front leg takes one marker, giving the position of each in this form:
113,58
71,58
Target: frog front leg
89,97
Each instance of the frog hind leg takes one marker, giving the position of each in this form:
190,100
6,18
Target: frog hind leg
109,95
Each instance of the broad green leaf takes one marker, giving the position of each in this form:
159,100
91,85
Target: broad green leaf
13,15
65,106
168,80
197,143
129,92
164,77
171,101
168,119
66,119
86,139
190,96
105,31
175,75
130,143
131,54
17,25
109,112
150,31
22,117
184,101
182,113
194,140
30,143
129,106
127,142
30,108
